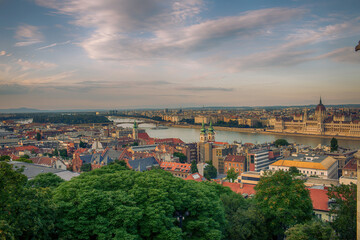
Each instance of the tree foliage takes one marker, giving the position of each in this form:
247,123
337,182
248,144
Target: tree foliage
69,118
281,142
283,200
44,180
244,221
86,167
82,144
344,210
294,171
38,136
232,175
5,158
182,157
114,203
334,145
25,213
63,153
312,230
194,168
210,171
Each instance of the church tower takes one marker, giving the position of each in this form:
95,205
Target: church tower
211,134
203,137
320,112
135,131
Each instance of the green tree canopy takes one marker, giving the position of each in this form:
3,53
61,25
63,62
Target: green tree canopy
194,168
344,210
312,230
63,153
281,142
5,158
25,213
232,175
82,144
334,145
283,200
182,157
44,180
114,203
38,136
294,171
210,172
86,167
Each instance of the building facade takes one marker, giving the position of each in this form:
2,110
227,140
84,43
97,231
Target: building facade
319,124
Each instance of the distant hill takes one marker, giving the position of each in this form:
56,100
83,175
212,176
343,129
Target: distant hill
21,110
34,110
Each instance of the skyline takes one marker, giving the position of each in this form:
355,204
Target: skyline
168,54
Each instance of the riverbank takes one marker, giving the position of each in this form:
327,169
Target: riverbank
251,130
264,131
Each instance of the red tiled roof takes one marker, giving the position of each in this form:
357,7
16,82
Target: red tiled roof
81,150
173,166
43,161
235,187
143,135
221,143
319,199
351,165
234,158
28,148
196,177
248,189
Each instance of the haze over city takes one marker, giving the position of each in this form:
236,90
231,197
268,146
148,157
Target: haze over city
84,54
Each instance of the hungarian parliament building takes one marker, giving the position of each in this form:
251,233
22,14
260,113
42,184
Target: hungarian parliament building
319,124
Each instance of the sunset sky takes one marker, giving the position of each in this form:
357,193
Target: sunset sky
118,54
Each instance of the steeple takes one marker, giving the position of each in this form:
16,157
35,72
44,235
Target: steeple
211,134
211,129
320,100
203,130
203,137
135,131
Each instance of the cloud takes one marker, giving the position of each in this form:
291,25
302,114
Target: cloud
175,42
152,29
28,35
26,65
53,45
206,89
346,54
297,49
2,53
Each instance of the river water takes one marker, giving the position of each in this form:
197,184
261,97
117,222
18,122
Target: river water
192,135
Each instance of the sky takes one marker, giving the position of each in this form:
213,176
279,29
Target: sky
122,54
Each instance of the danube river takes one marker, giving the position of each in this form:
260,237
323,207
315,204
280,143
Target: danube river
192,135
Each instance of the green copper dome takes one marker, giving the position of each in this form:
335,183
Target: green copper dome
135,125
203,130
211,129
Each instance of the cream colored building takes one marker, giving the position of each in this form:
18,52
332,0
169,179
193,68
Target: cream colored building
320,124
325,167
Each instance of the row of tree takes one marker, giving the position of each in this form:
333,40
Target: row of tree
69,118
114,202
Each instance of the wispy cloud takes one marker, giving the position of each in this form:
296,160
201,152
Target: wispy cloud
28,35
26,65
2,53
53,45
152,29
206,89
